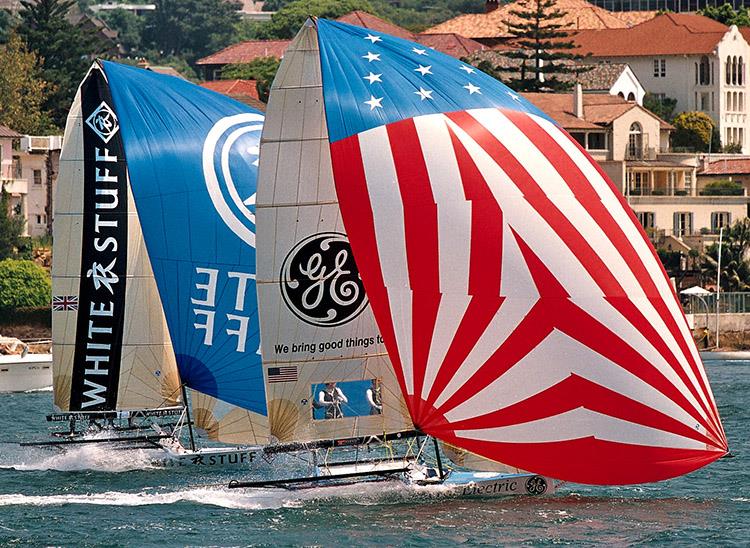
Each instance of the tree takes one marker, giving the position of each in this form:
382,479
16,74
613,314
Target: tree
542,53
11,227
129,27
663,107
735,270
22,90
64,50
727,15
190,28
287,21
262,70
693,130
23,284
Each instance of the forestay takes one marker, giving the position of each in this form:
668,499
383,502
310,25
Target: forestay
526,314
316,322
192,157
112,348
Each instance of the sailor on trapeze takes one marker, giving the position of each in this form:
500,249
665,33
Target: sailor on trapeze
331,398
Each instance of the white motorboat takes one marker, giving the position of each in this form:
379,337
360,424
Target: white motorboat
20,373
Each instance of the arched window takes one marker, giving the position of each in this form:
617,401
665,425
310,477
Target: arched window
704,72
696,74
728,105
734,69
728,70
635,141
621,94
740,71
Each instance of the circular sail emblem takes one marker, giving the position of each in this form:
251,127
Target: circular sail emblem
320,281
230,167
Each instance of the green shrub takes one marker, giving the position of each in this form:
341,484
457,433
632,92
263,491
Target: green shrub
722,188
23,284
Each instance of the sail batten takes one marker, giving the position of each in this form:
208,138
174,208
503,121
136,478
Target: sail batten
525,314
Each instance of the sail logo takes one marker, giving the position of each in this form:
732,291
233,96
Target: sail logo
230,164
104,122
320,282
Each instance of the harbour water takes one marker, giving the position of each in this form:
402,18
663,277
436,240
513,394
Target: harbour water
93,497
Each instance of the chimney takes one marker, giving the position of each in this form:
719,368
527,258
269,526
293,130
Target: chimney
578,100
490,5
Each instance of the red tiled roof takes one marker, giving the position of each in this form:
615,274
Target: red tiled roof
450,44
729,166
244,52
668,34
579,15
233,87
369,21
598,109
6,132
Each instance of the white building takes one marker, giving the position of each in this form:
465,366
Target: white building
697,61
28,166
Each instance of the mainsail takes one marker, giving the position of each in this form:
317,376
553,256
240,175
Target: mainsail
192,158
526,315
316,323
112,348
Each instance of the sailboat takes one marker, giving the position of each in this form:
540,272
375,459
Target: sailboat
155,265
421,224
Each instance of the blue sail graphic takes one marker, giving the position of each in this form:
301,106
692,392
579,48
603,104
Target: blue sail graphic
192,159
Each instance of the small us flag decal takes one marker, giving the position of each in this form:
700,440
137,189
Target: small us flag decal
282,374
64,302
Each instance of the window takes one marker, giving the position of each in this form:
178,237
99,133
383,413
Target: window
597,141
37,176
17,167
728,71
720,219
740,71
635,141
705,101
38,219
660,68
683,223
631,96
580,138
704,72
637,183
646,218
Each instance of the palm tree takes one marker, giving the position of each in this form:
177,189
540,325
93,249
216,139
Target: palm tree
735,252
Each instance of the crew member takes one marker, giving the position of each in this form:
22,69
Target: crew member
331,398
374,399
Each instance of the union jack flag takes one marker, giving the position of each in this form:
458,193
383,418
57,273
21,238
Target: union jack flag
524,311
64,302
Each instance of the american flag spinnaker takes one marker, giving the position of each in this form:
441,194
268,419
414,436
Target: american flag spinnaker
525,313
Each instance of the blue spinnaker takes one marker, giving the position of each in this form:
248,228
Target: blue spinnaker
192,159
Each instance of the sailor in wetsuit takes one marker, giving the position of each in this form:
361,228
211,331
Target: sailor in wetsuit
331,398
374,399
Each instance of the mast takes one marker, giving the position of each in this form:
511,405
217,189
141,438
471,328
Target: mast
189,420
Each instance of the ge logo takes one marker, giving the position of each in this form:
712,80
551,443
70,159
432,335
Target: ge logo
536,485
320,282
230,168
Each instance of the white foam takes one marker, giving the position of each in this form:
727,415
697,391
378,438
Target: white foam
84,457
247,499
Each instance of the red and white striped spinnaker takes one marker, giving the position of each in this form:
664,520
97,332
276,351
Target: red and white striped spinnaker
525,313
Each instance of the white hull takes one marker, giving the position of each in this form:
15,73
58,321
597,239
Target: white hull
20,374
212,457
490,484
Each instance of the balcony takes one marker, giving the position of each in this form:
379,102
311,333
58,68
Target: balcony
32,143
15,187
642,154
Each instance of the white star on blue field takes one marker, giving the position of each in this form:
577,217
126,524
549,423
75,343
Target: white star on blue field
371,79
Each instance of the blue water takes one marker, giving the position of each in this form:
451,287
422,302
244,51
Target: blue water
52,499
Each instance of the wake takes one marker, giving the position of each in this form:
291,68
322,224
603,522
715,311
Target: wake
249,499
73,459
